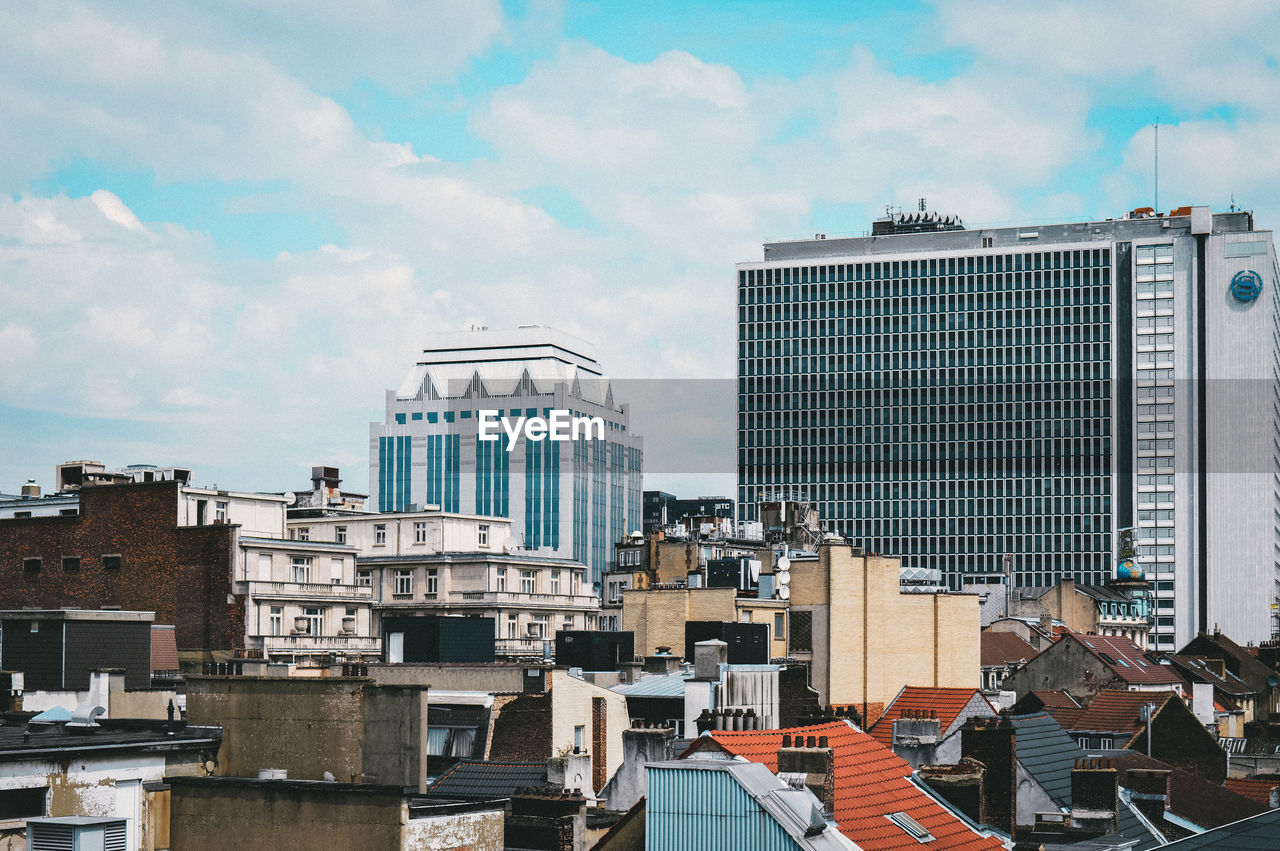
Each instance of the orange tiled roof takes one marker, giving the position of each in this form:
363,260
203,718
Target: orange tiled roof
870,783
946,703
1252,788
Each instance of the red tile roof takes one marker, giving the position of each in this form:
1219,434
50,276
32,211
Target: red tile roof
946,703
1128,661
999,648
1115,711
870,783
1254,789
164,648
1056,699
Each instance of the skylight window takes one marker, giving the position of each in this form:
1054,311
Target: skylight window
913,828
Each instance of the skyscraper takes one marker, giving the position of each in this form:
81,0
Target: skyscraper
575,496
956,395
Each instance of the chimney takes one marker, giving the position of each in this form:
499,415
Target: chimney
817,764
1094,795
1046,623
915,738
1150,790
708,656
960,785
993,742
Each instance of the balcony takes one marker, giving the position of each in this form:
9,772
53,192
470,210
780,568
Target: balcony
527,601
349,644
310,591
522,648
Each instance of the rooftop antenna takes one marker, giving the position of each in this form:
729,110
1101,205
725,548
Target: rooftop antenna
922,205
1233,202
1157,165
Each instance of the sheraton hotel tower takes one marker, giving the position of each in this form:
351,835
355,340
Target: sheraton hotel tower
967,398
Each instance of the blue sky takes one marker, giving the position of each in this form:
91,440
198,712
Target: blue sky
226,229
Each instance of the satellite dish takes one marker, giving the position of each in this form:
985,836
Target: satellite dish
784,593
784,563
511,544
290,498
1273,680
784,578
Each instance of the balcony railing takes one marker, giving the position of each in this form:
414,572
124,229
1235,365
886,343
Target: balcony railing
318,643
514,598
310,591
528,647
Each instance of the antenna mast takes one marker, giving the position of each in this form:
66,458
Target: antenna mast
1157,165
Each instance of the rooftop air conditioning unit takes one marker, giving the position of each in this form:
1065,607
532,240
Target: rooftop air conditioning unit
77,833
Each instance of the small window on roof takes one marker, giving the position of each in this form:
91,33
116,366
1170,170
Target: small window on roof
913,828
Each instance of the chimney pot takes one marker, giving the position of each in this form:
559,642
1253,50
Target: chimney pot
822,741
786,740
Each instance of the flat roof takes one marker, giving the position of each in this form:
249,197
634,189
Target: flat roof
77,615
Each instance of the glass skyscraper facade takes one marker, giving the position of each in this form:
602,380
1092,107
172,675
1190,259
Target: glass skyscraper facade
573,497
957,396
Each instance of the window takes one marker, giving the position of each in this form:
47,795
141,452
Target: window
913,828
579,736
538,629
502,579
433,581
511,626
988,241
23,803
304,533
71,563
220,513
364,578
379,534
526,581
555,582
779,624
275,620
482,535
335,570
300,568
112,561
802,631
35,626
568,623
340,534
404,582
31,564
419,532
315,621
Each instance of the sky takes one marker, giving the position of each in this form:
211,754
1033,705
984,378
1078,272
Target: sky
226,229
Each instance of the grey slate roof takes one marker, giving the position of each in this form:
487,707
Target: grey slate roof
479,780
1259,833
1047,753
656,685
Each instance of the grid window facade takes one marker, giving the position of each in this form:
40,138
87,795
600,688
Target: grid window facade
945,409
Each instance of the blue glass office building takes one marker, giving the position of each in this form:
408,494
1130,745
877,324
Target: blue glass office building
573,497
953,395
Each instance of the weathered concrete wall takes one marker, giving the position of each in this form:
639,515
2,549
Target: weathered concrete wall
495,677
217,813
395,736
470,831
305,726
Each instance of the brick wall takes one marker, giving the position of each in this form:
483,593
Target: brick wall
522,729
182,574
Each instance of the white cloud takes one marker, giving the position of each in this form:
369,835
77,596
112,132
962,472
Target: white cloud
115,210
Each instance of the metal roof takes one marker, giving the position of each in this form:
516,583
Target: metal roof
656,685
1258,833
